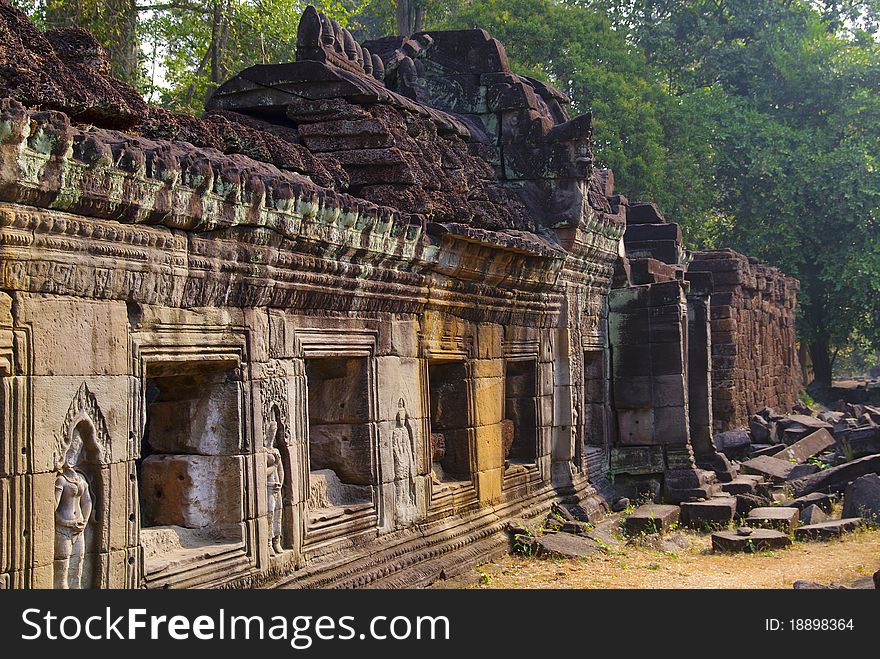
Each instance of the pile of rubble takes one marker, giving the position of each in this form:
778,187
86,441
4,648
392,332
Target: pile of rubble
564,533
785,474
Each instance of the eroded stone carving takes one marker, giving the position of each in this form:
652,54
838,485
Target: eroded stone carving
404,449
83,444
73,512
274,478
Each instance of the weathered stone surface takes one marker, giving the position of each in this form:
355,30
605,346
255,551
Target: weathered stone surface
809,446
284,328
63,69
193,491
761,430
862,498
714,512
753,306
769,467
651,518
748,502
835,479
565,545
812,514
733,443
795,427
859,442
820,499
744,484
829,529
756,541
776,517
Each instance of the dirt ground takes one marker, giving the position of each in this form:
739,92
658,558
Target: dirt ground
693,565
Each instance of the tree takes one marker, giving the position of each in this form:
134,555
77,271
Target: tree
797,142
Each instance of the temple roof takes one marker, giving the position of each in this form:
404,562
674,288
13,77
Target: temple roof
434,129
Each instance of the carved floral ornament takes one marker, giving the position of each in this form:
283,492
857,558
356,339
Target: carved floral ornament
274,393
84,408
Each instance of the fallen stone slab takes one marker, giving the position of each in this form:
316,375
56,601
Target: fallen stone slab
776,469
801,470
651,518
711,513
814,585
832,528
862,498
578,528
774,517
757,540
812,514
797,426
745,503
565,545
835,479
859,442
733,443
824,501
743,484
761,430
809,446
766,449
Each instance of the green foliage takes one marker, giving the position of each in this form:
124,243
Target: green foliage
794,139
202,45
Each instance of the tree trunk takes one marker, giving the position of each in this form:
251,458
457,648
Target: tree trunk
219,38
404,17
123,42
820,354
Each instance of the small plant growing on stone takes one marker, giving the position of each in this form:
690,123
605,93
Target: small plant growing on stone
484,579
807,400
522,544
817,462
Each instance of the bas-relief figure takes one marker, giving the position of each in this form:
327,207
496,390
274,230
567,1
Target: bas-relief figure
274,482
404,449
73,512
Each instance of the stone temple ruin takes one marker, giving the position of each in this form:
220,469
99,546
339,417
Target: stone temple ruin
339,330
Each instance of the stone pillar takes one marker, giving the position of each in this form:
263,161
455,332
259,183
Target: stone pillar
649,344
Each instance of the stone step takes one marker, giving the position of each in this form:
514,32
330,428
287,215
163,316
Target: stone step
651,518
833,528
775,517
714,512
753,541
